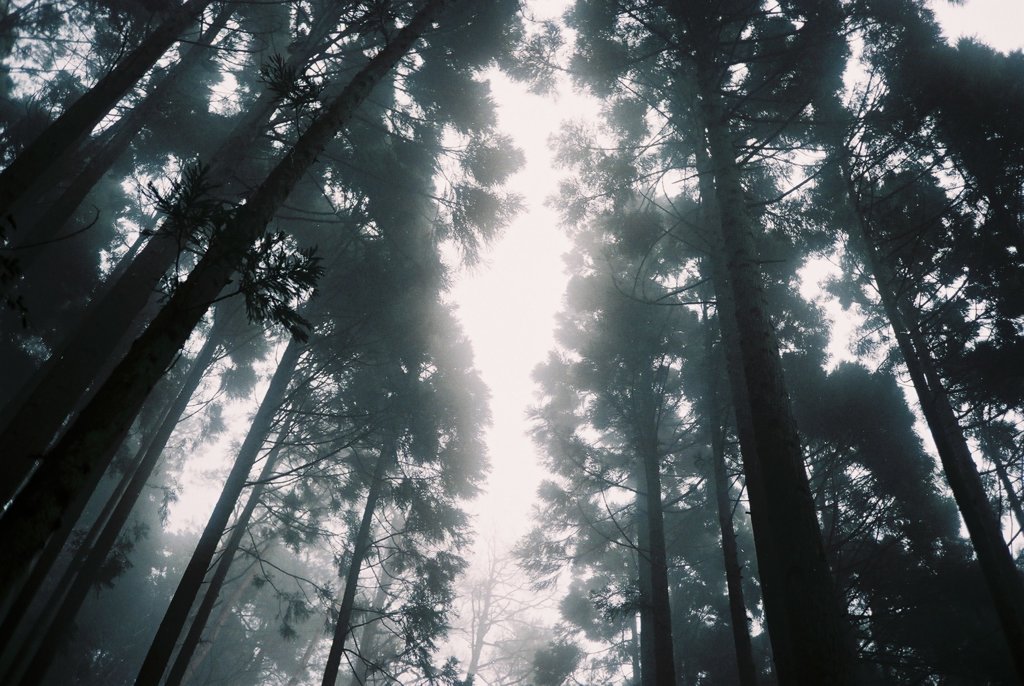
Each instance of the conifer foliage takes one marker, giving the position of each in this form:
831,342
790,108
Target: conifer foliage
240,424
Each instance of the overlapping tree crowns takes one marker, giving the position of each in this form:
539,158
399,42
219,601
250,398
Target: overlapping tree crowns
250,219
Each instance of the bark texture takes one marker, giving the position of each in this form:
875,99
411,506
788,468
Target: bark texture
80,118
810,636
360,548
39,508
160,649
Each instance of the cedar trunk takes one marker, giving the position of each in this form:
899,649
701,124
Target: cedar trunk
360,548
160,649
1005,582
227,556
78,120
58,212
656,559
81,451
810,636
97,555
87,355
714,426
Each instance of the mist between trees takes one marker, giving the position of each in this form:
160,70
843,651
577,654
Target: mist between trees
223,238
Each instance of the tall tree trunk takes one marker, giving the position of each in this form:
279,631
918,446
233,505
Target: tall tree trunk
648,651
14,617
649,483
78,120
1004,580
160,650
360,548
227,556
89,351
1016,507
810,636
38,509
740,625
84,579
60,210
371,632
223,614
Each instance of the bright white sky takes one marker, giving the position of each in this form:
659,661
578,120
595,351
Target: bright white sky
507,304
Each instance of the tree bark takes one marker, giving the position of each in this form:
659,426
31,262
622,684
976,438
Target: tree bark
87,355
78,120
38,510
1011,493
648,651
86,574
360,548
1002,577
227,556
14,618
656,558
160,650
739,623
57,213
371,631
810,635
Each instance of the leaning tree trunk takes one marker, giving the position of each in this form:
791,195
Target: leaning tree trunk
714,426
371,634
810,636
160,650
241,585
85,577
86,355
1002,577
1013,498
1004,580
57,213
360,548
38,509
227,555
60,137
15,614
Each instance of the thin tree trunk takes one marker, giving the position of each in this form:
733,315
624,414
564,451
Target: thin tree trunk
1011,493
307,655
810,635
369,640
649,481
78,120
87,355
204,648
227,556
58,212
739,622
648,651
1002,577
359,550
37,511
483,625
634,653
160,650
85,577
